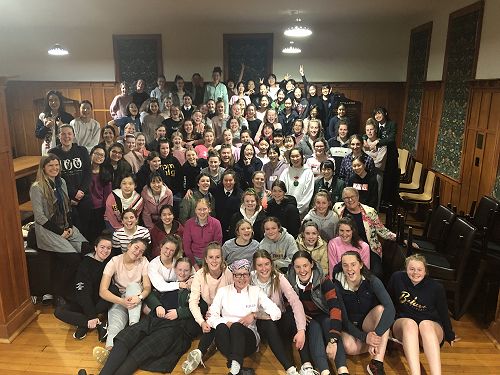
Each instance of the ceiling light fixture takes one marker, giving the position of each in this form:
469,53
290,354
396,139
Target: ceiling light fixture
291,49
297,30
58,50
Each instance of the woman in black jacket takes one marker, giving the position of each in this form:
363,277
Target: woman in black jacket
151,165
84,308
367,310
251,210
49,121
284,207
247,165
227,196
116,165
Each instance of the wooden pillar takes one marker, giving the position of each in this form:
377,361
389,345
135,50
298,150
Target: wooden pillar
16,308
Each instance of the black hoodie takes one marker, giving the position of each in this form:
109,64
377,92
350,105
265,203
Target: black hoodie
287,213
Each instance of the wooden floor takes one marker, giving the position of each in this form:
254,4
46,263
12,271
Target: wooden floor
47,347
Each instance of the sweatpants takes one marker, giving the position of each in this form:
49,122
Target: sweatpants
72,313
119,316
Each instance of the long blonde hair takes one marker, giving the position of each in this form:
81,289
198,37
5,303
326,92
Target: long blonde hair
45,184
275,278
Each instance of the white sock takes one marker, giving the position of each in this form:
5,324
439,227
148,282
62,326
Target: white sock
235,367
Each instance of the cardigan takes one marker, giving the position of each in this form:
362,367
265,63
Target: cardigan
204,287
372,225
46,238
278,296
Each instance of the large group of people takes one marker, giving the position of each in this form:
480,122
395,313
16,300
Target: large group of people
233,213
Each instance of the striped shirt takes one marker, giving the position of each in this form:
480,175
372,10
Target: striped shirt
122,239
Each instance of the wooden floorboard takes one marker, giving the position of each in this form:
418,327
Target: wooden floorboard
46,346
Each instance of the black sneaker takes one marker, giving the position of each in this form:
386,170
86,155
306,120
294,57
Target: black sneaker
375,367
82,371
80,333
102,331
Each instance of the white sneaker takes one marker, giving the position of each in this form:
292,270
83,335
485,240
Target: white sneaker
292,371
308,370
193,361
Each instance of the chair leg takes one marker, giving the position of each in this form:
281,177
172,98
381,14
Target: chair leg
472,291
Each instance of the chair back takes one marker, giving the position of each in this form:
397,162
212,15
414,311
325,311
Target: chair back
416,178
458,244
403,159
485,212
439,223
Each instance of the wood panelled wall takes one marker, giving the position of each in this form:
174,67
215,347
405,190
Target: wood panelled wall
23,114
481,147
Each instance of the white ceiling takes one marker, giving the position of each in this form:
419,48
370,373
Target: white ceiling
84,13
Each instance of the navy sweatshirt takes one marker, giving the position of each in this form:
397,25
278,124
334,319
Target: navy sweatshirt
424,301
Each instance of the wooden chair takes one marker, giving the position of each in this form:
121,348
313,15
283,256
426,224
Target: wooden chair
436,229
405,165
449,263
416,179
483,217
429,196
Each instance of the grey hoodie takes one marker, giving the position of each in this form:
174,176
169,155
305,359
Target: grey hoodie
327,225
281,250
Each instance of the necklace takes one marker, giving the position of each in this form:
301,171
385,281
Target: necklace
296,179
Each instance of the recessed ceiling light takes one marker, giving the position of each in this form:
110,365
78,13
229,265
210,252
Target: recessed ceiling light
58,50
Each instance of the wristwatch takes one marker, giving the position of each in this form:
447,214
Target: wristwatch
140,297
333,341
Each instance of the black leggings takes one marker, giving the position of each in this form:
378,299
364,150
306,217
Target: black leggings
376,265
277,331
63,271
72,313
235,342
206,340
119,362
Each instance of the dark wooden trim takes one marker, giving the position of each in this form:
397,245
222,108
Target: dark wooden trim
432,84
425,26
266,38
154,37
415,30
458,13
485,83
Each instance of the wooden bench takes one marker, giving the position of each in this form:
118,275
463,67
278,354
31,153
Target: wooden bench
26,165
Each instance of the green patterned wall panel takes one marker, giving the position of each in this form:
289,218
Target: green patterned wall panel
462,49
417,74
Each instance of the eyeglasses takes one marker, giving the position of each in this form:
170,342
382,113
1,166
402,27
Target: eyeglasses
116,152
98,154
241,275
348,198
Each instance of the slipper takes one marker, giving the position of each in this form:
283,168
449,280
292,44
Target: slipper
100,354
